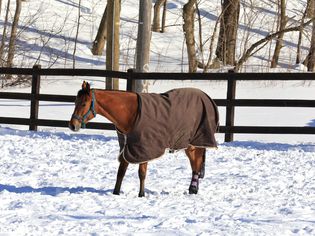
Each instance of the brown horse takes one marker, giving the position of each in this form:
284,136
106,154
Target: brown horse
122,108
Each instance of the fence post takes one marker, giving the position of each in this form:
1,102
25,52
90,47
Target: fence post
230,109
130,81
34,99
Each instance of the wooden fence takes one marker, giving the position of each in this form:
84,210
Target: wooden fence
230,102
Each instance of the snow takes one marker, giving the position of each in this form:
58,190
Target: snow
55,182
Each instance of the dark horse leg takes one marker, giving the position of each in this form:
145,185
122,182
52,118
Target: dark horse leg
120,175
142,174
203,165
196,158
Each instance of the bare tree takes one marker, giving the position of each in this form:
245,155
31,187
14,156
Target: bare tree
310,8
4,33
164,17
156,27
255,47
13,33
298,47
188,28
100,39
143,43
310,60
76,35
282,21
226,46
112,42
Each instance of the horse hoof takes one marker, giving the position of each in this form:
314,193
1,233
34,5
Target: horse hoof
141,194
193,189
116,192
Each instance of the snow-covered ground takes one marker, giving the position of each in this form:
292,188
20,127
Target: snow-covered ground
54,182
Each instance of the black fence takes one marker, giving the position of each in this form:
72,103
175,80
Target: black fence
230,102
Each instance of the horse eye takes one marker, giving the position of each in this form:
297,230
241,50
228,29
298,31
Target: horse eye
83,104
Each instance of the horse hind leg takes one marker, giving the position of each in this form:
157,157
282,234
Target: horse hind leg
203,165
196,158
142,174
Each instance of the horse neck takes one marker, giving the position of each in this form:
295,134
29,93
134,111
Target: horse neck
118,107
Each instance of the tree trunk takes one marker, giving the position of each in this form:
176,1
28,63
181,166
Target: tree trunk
13,33
282,23
100,39
226,46
76,35
164,17
156,17
4,34
188,28
298,48
310,8
310,58
143,44
112,43
311,55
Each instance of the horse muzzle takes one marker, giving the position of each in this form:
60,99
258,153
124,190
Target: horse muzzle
74,127
75,123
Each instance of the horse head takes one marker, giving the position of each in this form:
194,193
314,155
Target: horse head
84,108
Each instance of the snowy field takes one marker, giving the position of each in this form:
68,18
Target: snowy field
54,182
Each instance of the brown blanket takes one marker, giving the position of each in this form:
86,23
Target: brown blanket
173,120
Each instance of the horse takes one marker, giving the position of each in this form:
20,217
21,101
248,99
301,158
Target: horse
125,109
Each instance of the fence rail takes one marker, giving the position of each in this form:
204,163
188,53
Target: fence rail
230,102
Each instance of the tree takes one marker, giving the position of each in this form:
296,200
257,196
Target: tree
14,33
226,46
100,39
298,50
282,21
76,35
310,58
156,27
310,8
255,47
112,43
4,34
188,28
143,43
311,55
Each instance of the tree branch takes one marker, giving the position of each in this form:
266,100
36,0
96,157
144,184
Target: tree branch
249,51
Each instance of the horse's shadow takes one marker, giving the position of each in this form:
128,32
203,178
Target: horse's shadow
52,191
311,123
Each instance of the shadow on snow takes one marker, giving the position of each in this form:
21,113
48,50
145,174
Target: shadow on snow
52,191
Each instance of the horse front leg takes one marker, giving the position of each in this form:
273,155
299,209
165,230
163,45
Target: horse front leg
120,175
142,174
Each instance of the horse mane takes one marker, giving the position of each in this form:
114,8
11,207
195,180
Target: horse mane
82,92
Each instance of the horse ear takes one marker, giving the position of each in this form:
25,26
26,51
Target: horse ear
83,85
86,86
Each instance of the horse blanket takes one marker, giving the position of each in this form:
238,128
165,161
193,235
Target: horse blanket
172,120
